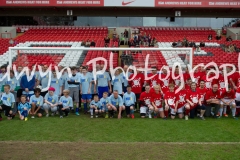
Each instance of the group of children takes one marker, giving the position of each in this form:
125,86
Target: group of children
110,95
38,105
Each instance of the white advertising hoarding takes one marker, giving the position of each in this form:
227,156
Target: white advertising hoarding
130,3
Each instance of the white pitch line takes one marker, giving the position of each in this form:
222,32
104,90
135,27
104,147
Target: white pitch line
100,143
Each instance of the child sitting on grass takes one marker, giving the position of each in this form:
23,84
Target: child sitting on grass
8,102
36,102
51,102
23,108
95,106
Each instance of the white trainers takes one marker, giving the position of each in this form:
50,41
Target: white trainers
91,116
186,118
96,116
149,116
61,116
52,114
47,115
32,117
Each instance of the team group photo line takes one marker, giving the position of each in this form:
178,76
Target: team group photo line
41,90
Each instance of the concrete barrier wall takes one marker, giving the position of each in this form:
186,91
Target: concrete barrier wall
11,30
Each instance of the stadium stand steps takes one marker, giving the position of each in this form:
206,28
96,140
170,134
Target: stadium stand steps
82,57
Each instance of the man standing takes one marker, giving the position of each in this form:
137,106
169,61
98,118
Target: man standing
136,85
103,82
44,80
85,88
28,86
73,84
155,80
126,36
125,78
19,91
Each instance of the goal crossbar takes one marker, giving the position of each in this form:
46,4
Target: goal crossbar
102,49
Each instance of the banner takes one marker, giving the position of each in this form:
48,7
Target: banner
125,3
129,3
25,2
55,3
87,3
198,3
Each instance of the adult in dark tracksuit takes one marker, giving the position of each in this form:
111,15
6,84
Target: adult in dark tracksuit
27,86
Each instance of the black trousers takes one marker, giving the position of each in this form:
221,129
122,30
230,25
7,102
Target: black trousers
66,111
7,109
43,93
194,110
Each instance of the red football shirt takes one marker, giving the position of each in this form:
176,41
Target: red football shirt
228,95
146,98
137,83
181,98
202,92
221,90
171,99
186,76
164,83
208,83
238,86
157,99
221,82
187,87
234,77
194,97
197,77
177,79
212,95
154,81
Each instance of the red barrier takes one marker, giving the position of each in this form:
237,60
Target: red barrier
126,3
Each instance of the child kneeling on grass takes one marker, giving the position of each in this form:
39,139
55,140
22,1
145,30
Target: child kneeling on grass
95,106
65,103
23,108
36,102
104,102
50,102
8,102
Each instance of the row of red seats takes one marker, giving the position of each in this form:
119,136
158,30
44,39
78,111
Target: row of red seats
175,28
30,60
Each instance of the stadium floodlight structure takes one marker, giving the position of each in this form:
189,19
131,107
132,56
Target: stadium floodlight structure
188,51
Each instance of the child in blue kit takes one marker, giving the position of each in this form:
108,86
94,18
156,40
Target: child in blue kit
23,108
95,106
104,102
65,103
36,102
8,102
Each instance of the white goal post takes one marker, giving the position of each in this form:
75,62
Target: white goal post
189,50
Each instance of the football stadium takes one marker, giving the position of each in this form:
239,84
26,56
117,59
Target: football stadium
120,79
